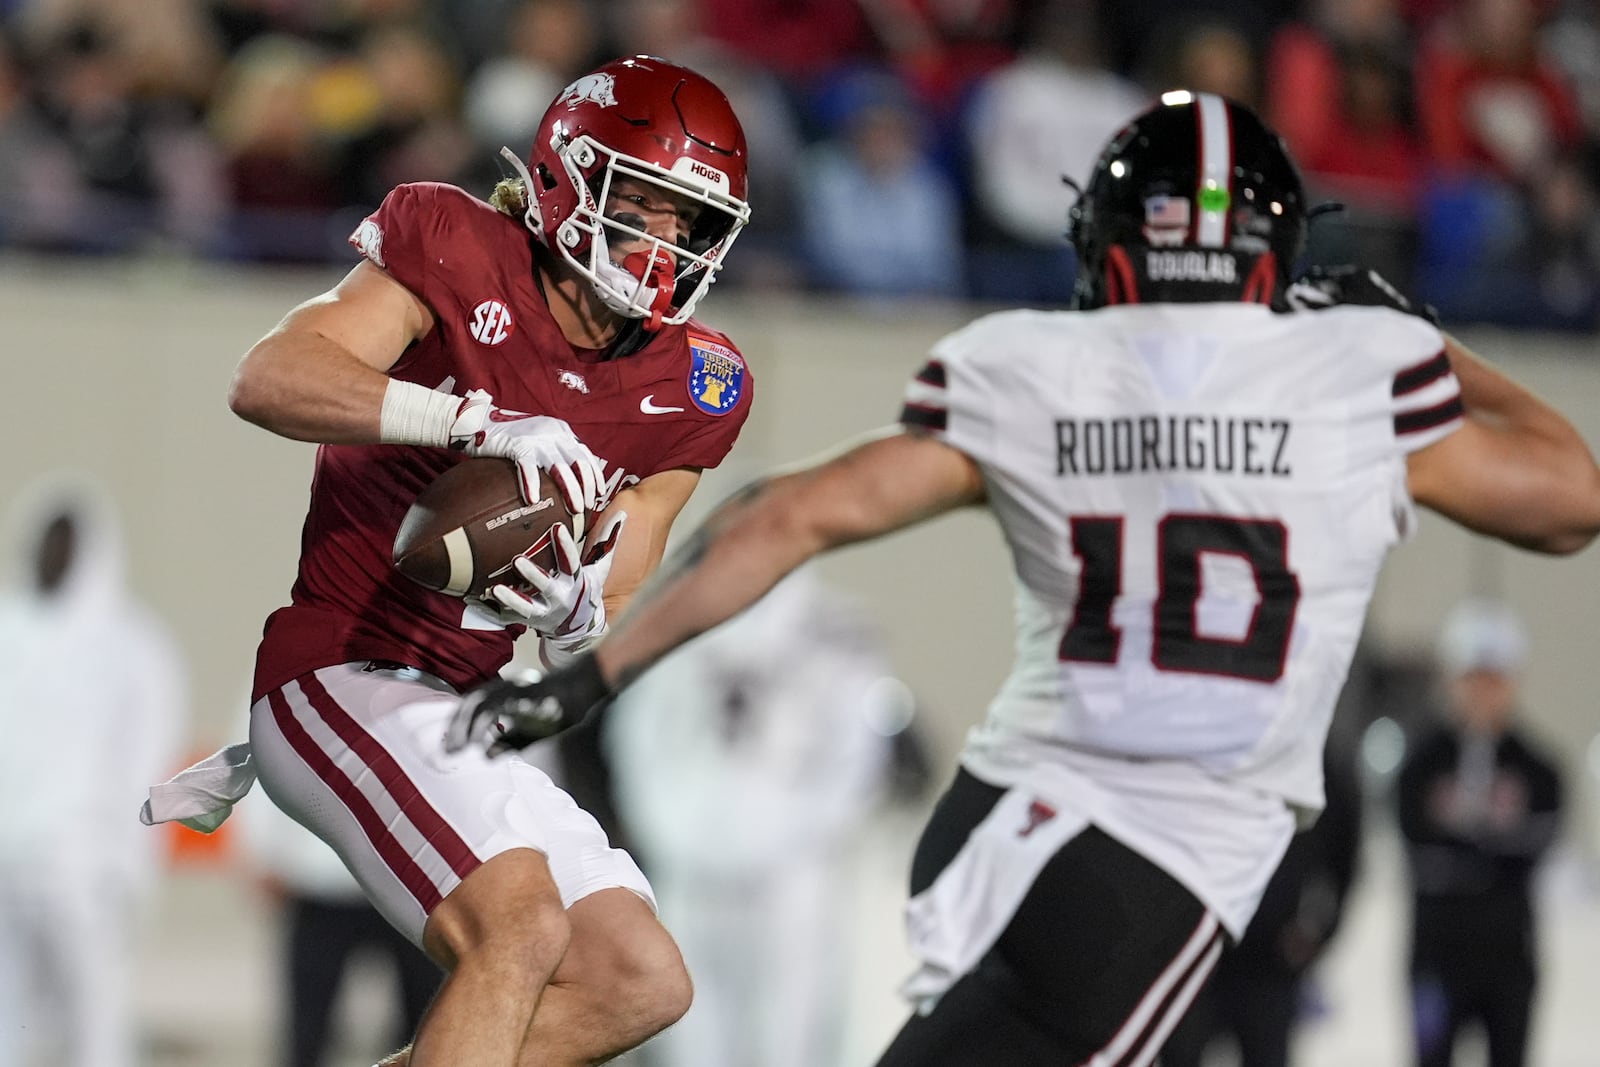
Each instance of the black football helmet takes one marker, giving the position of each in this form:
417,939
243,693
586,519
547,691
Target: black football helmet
1194,200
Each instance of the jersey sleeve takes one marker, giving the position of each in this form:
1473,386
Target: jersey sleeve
1396,363
1421,392
948,398
1427,402
1410,396
398,235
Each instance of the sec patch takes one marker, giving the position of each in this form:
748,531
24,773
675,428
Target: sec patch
716,376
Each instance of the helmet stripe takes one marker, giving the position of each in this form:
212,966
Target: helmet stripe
1214,195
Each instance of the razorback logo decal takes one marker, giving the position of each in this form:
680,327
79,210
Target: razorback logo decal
596,88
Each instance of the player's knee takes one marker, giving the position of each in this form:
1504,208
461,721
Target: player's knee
525,949
529,948
673,993
508,915
649,982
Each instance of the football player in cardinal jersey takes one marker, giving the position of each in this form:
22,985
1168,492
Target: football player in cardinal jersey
1198,472
551,326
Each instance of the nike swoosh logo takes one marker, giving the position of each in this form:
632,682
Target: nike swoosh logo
650,407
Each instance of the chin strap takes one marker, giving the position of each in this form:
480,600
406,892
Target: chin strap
657,267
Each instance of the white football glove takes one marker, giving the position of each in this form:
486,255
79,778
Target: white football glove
565,607
533,443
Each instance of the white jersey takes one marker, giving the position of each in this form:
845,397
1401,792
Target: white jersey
1197,499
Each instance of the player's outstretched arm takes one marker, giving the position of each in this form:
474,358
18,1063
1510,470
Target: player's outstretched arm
1518,470
762,533
319,374
745,548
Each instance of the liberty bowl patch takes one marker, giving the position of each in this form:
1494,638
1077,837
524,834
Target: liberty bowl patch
716,376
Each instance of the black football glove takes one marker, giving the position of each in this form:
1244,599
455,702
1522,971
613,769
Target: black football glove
1325,287
504,716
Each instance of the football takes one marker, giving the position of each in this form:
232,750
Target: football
465,529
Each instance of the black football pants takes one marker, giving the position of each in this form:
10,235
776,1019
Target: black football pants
1079,968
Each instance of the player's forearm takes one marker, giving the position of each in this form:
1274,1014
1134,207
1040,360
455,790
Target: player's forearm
731,561
883,483
301,385
1549,497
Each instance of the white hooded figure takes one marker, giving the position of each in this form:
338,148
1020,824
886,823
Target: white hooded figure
743,767
93,707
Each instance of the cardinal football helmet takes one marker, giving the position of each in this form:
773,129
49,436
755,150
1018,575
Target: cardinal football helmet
654,121
1195,199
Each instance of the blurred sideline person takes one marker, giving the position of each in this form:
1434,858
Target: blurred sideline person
327,922
551,326
745,766
1480,805
81,657
1198,481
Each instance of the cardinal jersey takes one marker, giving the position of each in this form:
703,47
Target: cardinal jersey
1197,500
679,401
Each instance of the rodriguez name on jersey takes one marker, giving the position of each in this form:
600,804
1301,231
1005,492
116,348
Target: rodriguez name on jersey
1254,446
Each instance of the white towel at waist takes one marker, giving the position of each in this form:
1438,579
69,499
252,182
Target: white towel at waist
202,796
953,922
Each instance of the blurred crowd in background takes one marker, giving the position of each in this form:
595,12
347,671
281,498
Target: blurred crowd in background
899,148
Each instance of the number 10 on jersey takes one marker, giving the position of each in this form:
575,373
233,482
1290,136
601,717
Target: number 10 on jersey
1176,642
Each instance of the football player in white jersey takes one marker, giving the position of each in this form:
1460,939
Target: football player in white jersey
1198,471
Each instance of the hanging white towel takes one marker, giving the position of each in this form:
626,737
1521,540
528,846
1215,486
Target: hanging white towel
202,796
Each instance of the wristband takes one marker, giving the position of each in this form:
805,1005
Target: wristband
585,688
416,415
556,653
